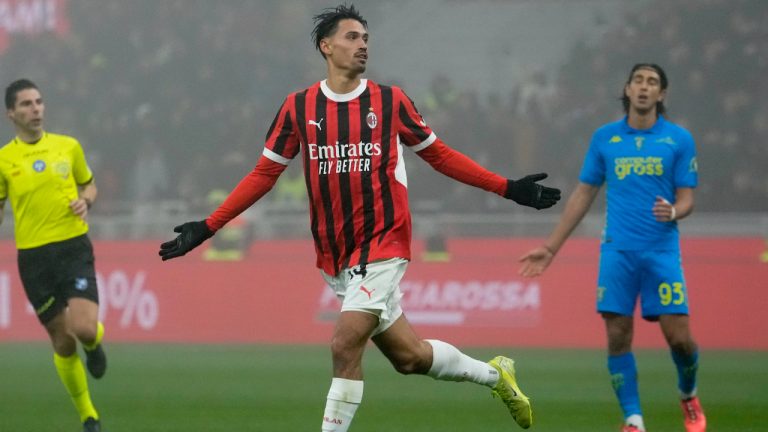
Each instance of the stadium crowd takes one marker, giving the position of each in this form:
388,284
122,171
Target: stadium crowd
716,53
172,98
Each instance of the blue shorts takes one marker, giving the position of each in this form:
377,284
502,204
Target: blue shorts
655,276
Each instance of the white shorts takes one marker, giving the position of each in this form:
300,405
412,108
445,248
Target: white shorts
376,292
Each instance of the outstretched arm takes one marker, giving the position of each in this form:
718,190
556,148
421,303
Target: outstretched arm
537,260
250,189
458,166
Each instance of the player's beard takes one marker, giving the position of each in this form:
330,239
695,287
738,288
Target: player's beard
360,65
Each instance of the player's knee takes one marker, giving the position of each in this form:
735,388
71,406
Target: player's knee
337,348
412,362
63,344
84,331
344,348
682,344
407,366
619,339
61,341
619,343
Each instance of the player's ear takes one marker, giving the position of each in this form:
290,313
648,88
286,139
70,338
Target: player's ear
325,46
662,95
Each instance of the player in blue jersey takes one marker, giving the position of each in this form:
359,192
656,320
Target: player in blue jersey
649,167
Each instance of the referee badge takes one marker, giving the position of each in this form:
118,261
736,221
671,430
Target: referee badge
62,169
371,119
81,284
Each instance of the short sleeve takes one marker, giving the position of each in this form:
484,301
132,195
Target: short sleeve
593,168
80,169
3,188
686,168
412,129
282,144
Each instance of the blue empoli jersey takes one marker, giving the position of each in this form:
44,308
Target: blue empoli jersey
638,165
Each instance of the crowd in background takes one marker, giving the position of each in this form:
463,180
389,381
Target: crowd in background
174,111
716,55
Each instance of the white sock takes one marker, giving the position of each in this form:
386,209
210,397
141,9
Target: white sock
343,399
635,420
450,364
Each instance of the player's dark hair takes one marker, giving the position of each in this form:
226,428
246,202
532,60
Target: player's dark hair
327,22
14,88
660,108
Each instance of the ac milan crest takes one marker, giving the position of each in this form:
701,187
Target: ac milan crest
371,119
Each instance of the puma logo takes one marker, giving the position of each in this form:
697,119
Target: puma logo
314,123
365,290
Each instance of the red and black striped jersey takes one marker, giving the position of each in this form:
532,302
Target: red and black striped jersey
352,148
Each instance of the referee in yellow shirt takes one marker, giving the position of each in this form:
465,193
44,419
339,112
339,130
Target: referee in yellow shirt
51,189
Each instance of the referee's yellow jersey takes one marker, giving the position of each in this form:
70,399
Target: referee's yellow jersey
41,180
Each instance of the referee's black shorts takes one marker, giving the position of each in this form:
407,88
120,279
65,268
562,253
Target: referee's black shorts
55,272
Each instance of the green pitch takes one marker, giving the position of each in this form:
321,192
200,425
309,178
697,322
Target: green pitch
168,388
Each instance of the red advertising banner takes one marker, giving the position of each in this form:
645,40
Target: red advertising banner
32,17
476,298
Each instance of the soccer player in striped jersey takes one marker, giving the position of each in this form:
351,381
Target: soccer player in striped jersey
649,166
51,189
351,133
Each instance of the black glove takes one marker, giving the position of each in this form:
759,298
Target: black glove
528,193
191,234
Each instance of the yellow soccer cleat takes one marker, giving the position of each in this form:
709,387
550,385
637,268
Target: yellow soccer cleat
517,403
